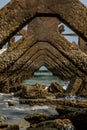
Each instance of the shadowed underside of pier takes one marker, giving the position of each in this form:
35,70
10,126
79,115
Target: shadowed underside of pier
43,43
19,12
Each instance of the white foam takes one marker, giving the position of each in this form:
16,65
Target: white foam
1,94
46,88
2,50
15,99
65,87
4,94
22,108
39,107
70,97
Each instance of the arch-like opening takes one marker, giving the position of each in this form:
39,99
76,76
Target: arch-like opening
45,77
43,68
69,34
18,38
42,71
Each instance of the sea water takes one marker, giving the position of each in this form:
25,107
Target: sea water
15,114
45,78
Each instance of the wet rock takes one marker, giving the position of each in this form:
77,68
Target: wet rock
61,101
77,87
78,115
12,127
8,127
35,91
37,118
3,118
57,124
83,89
11,103
79,119
33,102
18,93
63,124
3,125
64,110
4,87
16,87
55,88
42,128
59,95
74,85
83,45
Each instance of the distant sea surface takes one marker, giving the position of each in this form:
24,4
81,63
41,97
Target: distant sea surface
45,78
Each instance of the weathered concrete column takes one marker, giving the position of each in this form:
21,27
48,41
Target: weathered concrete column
43,45
72,53
14,16
71,12
74,86
83,89
18,12
83,45
77,86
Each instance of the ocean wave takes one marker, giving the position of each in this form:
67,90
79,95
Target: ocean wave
2,50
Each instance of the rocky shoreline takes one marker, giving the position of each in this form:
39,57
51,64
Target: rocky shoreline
70,111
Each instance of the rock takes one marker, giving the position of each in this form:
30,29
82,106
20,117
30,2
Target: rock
12,127
65,109
57,124
74,85
83,45
55,88
79,119
33,102
4,87
83,90
8,127
59,95
42,128
63,124
77,87
3,125
11,103
78,115
16,87
61,101
18,93
3,118
35,91
36,118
